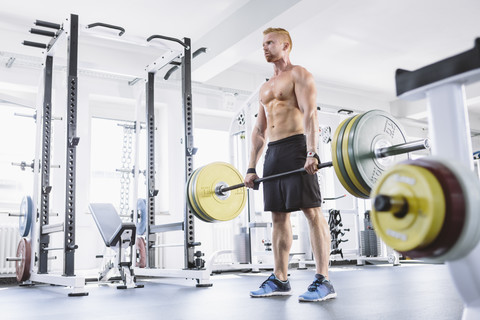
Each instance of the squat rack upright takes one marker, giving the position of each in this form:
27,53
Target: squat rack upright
193,263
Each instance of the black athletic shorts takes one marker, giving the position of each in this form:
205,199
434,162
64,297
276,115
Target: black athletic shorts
291,192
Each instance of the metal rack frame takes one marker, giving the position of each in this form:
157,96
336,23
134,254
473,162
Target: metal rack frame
40,274
194,265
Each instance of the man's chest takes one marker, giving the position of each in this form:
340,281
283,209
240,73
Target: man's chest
278,88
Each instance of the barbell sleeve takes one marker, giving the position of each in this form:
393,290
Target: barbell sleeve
15,215
402,148
13,259
396,205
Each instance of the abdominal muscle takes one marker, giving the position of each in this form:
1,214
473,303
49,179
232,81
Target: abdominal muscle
284,119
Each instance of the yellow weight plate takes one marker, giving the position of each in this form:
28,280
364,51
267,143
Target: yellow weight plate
199,213
191,198
346,158
337,159
216,207
426,207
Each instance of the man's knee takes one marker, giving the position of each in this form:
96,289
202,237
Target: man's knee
280,217
312,213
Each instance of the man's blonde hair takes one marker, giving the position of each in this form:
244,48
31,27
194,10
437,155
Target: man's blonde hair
281,31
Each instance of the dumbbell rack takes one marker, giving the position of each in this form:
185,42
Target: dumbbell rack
443,85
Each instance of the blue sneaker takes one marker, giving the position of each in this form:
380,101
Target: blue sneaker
272,287
321,289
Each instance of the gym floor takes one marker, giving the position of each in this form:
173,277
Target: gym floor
409,291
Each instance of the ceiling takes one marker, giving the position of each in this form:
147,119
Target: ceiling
349,44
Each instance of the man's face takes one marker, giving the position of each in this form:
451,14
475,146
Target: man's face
273,47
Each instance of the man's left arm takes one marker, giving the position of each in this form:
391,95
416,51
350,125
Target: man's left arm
306,94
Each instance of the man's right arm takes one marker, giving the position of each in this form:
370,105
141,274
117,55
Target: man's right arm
258,143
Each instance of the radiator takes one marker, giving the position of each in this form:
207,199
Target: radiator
9,238
223,240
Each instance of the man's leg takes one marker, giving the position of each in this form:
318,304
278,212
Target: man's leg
321,288
281,243
319,238
277,283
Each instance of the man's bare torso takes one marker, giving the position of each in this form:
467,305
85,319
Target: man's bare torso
283,115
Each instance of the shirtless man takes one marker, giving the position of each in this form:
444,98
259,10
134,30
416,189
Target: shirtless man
287,118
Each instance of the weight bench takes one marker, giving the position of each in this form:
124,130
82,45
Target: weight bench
119,236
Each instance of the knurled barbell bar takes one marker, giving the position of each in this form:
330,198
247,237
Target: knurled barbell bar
221,189
215,192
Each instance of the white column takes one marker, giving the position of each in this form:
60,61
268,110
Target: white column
449,128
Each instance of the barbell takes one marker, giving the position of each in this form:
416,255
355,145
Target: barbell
363,146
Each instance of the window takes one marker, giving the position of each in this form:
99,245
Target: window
112,160
18,138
